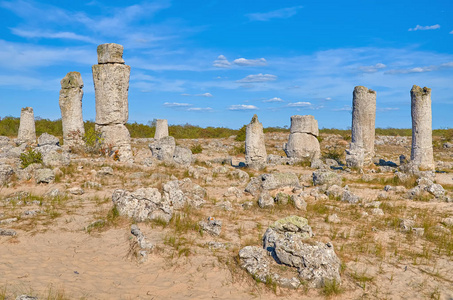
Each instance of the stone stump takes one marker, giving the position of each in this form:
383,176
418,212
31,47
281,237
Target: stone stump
303,138
363,127
422,139
161,129
255,149
111,85
27,132
71,94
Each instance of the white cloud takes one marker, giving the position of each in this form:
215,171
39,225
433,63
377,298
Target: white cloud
451,32
242,107
383,109
175,104
282,13
275,99
344,108
52,35
328,98
250,62
221,62
199,109
373,68
204,95
421,69
185,94
418,27
258,78
299,104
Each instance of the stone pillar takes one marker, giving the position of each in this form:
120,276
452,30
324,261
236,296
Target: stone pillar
111,85
255,149
303,138
71,94
363,127
161,129
27,132
422,139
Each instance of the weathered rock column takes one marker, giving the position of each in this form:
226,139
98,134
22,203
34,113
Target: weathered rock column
363,127
161,129
111,85
422,139
255,149
27,131
303,138
71,94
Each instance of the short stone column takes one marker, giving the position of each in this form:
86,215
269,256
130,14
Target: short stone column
363,127
111,85
255,149
303,138
70,100
422,139
161,129
27,131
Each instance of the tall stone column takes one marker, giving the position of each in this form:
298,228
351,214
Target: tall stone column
161,129
27,131
422,139
71,94
111,85
363,127
303,142
255,149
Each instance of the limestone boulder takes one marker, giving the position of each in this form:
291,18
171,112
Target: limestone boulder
6,172
321,177
182,156
44,175
142,204
164,148
118,138
161,129
46,139
110,53
27,132
302,146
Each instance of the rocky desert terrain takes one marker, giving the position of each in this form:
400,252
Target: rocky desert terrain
84,225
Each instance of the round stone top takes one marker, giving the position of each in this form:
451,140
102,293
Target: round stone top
110,54
72,80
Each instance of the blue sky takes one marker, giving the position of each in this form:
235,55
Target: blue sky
216,63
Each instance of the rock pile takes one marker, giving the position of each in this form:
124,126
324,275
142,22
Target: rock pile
255,149
165,149
303,138
288,241
70,100
27,132
111,84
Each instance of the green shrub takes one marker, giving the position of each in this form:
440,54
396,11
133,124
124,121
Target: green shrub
30,157
240,136
196,149
93,140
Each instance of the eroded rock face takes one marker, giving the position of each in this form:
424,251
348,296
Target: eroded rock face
363,127
27,132
119,138
255,149
111,85
422,140
70,100
326,177
286,240
256,261
161,129
302,141
142,204
164,148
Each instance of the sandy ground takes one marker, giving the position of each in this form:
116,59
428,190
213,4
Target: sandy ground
54,257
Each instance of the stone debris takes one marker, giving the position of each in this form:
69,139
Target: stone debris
27,132
422,141
303,138
6,172
361,150
299,201
111,85
7,232
271,181
165,149
26,297
143,204
76,191
70,100
265,200
326,177
255,149
44,175
211,226
161,129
